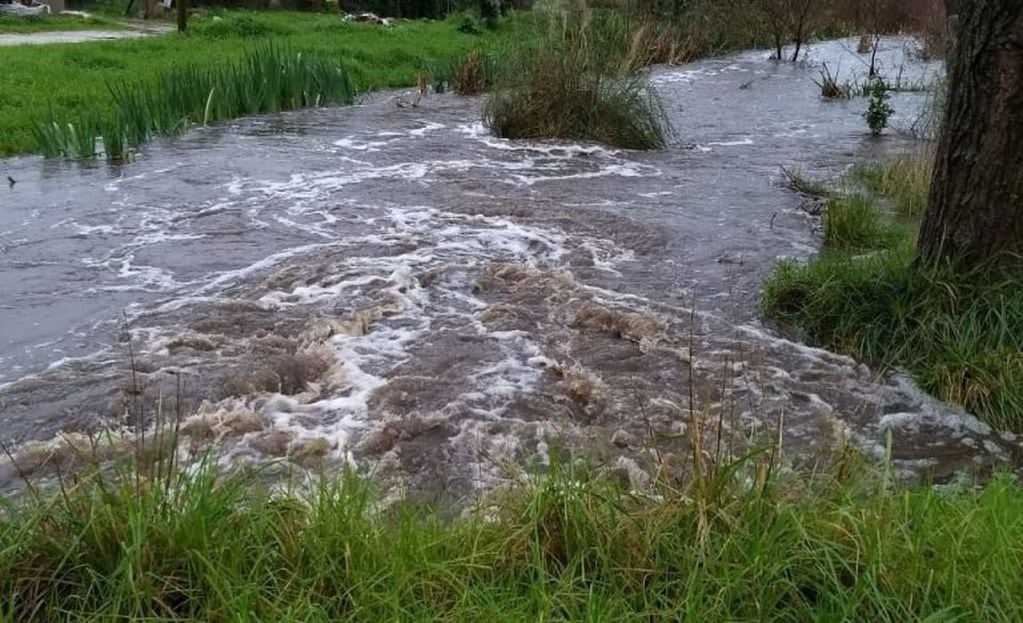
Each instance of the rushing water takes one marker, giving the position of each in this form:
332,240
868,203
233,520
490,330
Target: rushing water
395,287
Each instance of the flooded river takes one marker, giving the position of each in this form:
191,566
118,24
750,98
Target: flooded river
394,287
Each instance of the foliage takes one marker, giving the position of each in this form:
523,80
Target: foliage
489,13
879,111
68,82
470,74
572,84
266,79
905,180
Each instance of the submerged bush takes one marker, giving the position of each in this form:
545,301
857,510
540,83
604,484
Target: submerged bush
879,111
572,84
266,79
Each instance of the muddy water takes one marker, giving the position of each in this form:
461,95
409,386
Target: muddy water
394,287
77,36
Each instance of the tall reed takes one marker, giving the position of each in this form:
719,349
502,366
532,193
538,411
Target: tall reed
268,78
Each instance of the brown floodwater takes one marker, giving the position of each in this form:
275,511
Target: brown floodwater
394,288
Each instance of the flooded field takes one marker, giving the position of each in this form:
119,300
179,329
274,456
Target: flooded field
394,287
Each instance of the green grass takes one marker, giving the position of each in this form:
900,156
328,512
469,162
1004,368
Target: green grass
67,82
906,181
960,334
44,23
570,545
267,79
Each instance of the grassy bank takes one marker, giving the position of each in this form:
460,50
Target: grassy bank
959,334
70,81
567,546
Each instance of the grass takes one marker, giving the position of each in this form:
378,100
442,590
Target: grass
959,334
267,79
471,74
45,23
572,84
68,82
734,543
795,180
906,181
830,86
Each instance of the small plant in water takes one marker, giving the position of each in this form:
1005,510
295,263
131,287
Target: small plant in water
830,87
879,111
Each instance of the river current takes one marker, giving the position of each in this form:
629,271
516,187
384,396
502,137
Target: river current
393,287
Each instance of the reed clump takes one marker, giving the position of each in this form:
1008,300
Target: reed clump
574,83
472,73
830,85
267,79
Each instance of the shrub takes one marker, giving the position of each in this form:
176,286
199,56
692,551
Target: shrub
571,85
468,26
879,111
241,25
489,13
408,9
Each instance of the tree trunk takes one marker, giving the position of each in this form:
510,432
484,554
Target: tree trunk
182,6
975,209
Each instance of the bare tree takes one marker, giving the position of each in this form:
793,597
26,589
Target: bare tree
789,20
776,14
802,14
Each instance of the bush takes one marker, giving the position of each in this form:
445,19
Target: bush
830,87
571,85
879,111
241,25
489,13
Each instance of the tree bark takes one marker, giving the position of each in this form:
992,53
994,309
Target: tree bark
975,209
182,10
